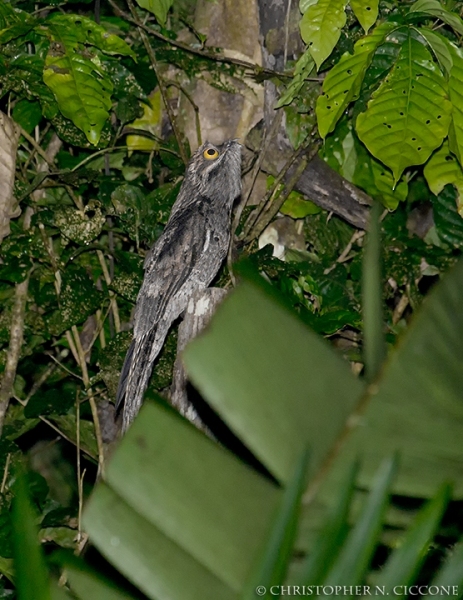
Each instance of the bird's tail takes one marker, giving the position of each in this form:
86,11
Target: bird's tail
135,376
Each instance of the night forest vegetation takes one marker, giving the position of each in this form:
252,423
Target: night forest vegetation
332,370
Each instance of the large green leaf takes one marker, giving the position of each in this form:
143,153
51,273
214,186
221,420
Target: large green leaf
366,12
31,574
435,9
88,584
159,8
277,384
442,169
303,69
416,407
403,565
332,535
357,552
343,82
409,115
321,27
449,224
456,97
73,72
275,556
440,47
161,513
348,156
451,573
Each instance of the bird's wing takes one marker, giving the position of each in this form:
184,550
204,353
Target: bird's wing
169,265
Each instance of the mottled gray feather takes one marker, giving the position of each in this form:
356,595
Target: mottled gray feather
184,259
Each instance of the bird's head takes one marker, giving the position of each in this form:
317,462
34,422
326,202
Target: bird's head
215,171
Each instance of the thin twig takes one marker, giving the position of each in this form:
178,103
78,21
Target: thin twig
80,477
112,295
40,381
269,135
276,196
288,12
401,306
72,346
195,108
36,147
254,216
64,436
344,254
97,153
91,399
14,349
63,367
5,473
162,88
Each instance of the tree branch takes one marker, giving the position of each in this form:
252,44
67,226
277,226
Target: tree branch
14,349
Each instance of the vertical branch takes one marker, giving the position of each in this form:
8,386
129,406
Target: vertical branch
14,349
162,87
91,399
107,277
374,341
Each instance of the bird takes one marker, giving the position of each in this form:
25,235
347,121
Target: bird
183,261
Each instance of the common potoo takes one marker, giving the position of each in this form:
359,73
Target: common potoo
184,259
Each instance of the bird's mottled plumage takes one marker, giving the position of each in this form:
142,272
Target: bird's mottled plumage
184,259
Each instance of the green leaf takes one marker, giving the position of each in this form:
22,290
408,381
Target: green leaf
451,573
372,294
58,593
373,177
31,573
7,568
321,27
159,8
160,511
10,16
422,377
67,424
456,97
449,224
52,401
79,298
366,12
27,114
79,226
254,352
343,82
274,559
440,47
332,535
304,4
356,554
302,70
75,74
442,169
85,582
90,33
435,9
409,115
349,157
404,563
297,207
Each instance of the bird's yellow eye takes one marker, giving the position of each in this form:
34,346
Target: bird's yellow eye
211,154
